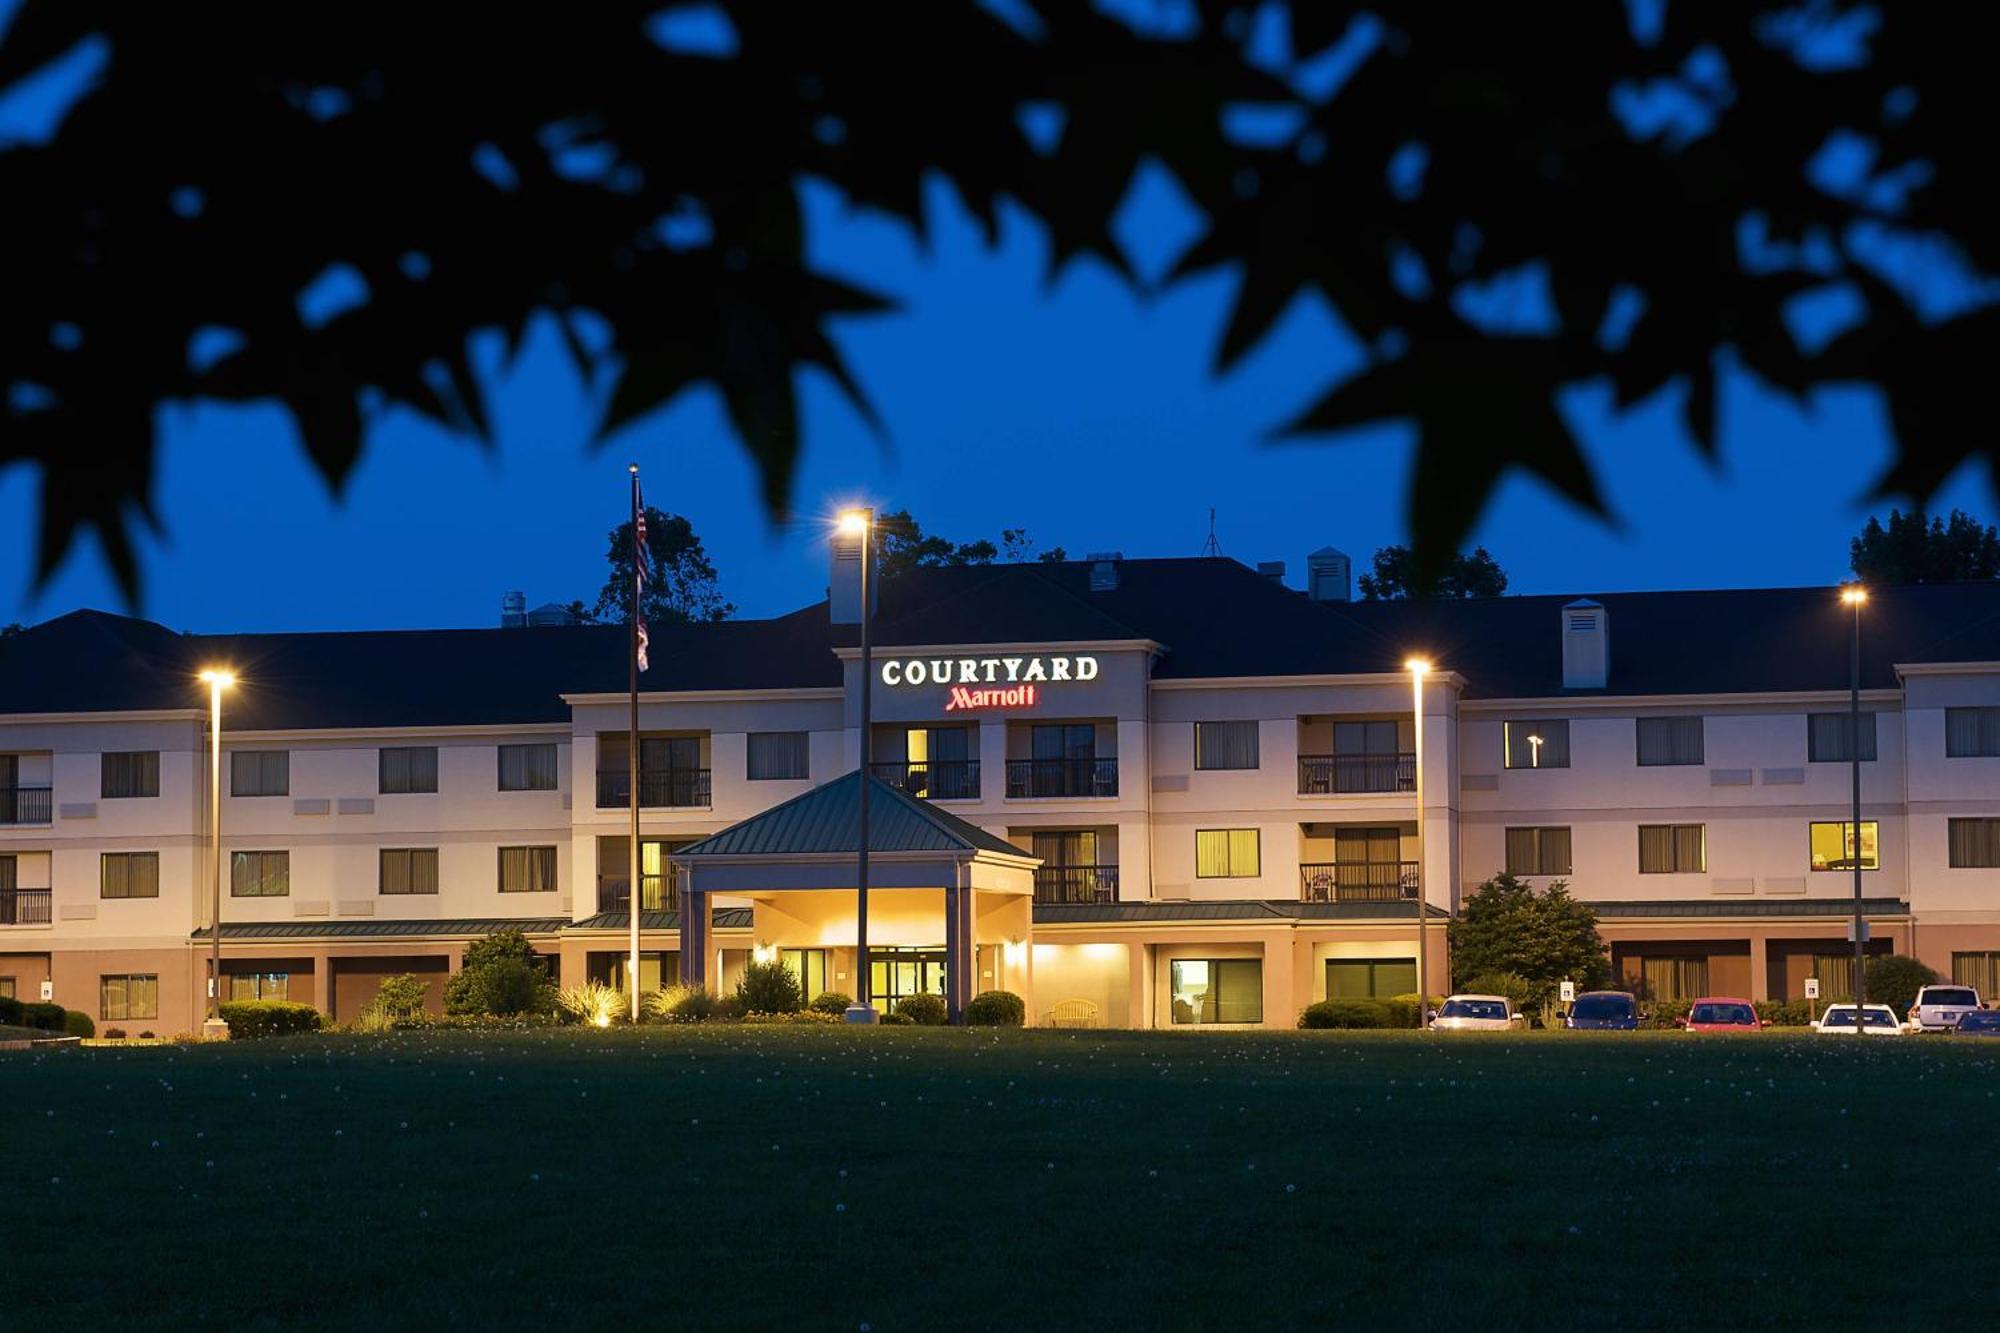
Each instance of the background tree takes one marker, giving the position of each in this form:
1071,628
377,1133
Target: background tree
1397,576
902,544
1914,549
1500,211
683,587
1506,926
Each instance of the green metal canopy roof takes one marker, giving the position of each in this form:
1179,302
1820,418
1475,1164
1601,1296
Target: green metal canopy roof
1724,907
723,918
445,927
1229,909
827,819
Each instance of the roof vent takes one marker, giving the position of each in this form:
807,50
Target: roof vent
1104,570
843,587
1586,644
551,613
513,610
1273,570
1329,576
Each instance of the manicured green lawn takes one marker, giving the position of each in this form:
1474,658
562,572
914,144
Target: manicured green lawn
903,1179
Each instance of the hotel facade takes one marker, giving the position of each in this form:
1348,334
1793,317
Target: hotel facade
1138,793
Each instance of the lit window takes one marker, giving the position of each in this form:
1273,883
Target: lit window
1833,845
1217,990
1227,853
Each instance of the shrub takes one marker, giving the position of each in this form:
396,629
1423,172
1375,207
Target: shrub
895,1018
47,1017
1550,1015
924,1010
769,988
594,1003
1894,979
1523,992
1346,1013
501,974
147,1035
76,1023
806,1017
399,996
11,1012
683,1004
114,1034
1403,1009
1662,1013
996,1009
831,1002
1785,1013
251,1019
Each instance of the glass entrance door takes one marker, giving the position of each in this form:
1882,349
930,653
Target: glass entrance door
896,973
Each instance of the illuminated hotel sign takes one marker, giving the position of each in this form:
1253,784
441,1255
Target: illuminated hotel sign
988,682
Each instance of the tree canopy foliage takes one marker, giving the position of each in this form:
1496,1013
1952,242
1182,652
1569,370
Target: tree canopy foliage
1397,576
901,544
1505,925
681,588
1916,549
320,207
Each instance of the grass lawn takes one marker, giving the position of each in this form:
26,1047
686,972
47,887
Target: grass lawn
917,1178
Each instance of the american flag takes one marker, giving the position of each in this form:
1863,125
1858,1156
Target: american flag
642,562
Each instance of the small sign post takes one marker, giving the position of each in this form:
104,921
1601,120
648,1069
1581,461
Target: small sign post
1569,992
1812,997
48,991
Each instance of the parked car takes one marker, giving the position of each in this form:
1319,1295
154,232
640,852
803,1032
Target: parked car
1478,1013
1978,1023
1877,1020
1604,1011
1720,1013
1938,1008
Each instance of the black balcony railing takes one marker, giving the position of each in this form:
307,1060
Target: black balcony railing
1061,777
673,788
25,805
1358,881
932,779
24,907
1327,774
657,893
1076,884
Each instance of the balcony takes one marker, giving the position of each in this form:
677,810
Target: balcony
932,779
670,789
1358,881
1332,774
657,893
24,907
25,805
1029,778
1076,884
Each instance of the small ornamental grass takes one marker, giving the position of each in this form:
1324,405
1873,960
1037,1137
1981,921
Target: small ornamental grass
594,1003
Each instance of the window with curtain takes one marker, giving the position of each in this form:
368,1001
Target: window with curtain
409,870
129,995
1380,737
1536,743
1370,978
1828,737
1832,845
1538,851
7,989
1068,847
260,874
260,773
260,985
1971,733
130,773
528,767
1671,978
1672,849
129,875
1979,970
407,768
1666,741
1974,844
528,869
1217,990
1225,745
1835,974
777,755
1227,853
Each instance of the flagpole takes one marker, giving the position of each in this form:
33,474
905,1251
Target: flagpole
639,554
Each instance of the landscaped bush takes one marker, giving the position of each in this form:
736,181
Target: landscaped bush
594,1003
114,1034
831,1002
996,1009
425,1021
1785,1013
806,1017
682,1004
896,1019
1662,1013
400,995
1513,985
251,1019
47,1017
1894,979
11,1012
1403,1009
76,1023
1347,1013
503,975
769,988
924,1010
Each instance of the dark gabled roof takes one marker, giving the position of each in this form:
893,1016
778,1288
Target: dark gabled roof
446,928
827,820
720,918
1272,910
1723,907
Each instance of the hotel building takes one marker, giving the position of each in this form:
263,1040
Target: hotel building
1139,793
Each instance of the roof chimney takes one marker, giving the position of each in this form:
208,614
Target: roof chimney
1329,576
1586,641
1104,570
513,610
1273,570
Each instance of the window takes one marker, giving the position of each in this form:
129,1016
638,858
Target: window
1669,740
1226,853
1670,978
260,773
259,985
7,988
408,768
1225,745
129,875
1974,843
777,756
409,870
1971,732
260,875
1537,743
129,995
130,773
1370,978
1672,849
1218,990
1981,971
1827,738
1833,845
527,869
809,967
1538,851
1835,974
528,767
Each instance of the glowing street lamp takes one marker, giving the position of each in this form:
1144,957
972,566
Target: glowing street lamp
217,680
1854,597
1418,668
860,523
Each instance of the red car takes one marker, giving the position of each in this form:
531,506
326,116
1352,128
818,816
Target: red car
1721,1013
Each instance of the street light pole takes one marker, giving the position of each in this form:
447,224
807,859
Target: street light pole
217,682
1418,669
1856,596
861,523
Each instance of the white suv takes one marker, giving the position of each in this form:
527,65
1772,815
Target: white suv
1938,1008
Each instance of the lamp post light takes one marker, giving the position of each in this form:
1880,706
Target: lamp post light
1419,668
1854,596
217,681
861,523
